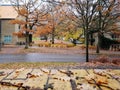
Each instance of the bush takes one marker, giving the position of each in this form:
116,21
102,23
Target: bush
90,47
103,59
82,40
70,45
44,44
59,45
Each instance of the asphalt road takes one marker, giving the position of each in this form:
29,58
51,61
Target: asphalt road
41,57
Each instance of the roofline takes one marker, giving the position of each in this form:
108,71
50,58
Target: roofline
7,18
7,5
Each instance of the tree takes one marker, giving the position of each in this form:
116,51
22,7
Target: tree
85,11
30,14
69,29
107,17
94,16
56,16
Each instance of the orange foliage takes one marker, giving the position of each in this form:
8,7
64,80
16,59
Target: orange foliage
111,8
16,21
18,34
99,8
42,30
106,12
23,11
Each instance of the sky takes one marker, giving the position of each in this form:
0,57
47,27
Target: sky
4,2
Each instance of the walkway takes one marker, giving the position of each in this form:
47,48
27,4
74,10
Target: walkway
59,79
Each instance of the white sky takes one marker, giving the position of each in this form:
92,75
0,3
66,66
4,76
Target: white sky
3,2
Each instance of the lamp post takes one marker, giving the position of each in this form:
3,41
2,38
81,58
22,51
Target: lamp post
100,18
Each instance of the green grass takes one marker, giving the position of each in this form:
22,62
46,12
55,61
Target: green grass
35,65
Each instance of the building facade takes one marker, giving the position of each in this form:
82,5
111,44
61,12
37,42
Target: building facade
8,13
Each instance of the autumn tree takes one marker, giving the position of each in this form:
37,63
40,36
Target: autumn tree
30,15
107,16
56,16
43,30
69,29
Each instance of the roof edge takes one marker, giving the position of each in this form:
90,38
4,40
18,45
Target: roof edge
7,18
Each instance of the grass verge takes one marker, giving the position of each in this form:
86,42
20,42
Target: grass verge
35,65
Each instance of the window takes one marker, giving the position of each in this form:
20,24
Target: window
7,39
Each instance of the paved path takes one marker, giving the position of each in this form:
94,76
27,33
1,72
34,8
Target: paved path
59,79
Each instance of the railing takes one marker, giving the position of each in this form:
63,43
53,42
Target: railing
115,47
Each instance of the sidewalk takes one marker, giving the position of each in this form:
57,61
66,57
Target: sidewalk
59,79
10,49
14,49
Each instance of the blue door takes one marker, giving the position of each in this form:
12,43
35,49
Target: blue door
7,39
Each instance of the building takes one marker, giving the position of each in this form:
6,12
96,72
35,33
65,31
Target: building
8,13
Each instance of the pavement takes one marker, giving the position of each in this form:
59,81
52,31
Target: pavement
59,79
10,49
14,49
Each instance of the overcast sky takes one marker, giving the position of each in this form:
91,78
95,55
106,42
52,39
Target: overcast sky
3,2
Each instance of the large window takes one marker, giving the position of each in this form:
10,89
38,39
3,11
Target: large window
7,39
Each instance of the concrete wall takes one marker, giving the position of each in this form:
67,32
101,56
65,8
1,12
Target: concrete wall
7,29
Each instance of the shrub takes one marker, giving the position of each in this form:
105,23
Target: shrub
44,44
59,45
116,61
103,59
82,40
70,45
90,47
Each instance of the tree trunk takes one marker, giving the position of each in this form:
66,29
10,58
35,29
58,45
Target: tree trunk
87,47
53,35
27,40
30,39
98,44
30,36
91,37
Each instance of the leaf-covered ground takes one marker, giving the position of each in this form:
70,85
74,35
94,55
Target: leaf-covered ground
59,65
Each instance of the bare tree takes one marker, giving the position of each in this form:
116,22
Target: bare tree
85,11
107,16
94,16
